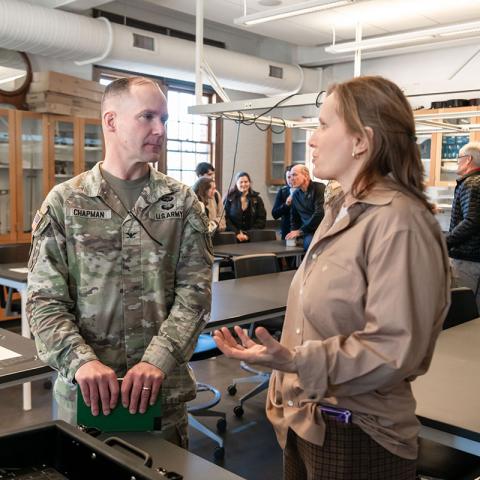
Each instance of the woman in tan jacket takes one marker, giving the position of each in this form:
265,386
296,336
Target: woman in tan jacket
366,305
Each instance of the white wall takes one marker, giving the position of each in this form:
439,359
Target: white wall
250,154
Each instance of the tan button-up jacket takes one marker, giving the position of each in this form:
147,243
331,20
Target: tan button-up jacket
364,311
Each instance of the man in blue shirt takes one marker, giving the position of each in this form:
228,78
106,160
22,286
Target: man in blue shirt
307,205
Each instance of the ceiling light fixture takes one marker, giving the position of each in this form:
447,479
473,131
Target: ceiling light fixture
402,38
290,11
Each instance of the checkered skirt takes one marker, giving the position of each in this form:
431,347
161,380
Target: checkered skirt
348,453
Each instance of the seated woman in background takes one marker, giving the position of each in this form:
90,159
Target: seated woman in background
283,200
244,209
205,190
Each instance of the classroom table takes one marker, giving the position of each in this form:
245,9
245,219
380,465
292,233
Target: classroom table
173,458
448,394
249,299
17,278
19,362
277,247
14,275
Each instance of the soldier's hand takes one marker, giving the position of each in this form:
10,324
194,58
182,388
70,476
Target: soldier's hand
141,386
98,382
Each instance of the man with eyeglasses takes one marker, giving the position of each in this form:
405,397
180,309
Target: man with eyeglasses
463,238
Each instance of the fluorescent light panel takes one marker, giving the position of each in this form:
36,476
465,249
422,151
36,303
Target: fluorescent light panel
402,38
290,11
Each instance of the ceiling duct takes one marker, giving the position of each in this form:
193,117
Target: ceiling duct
71,37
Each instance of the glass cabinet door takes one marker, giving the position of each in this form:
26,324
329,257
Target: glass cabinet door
299,146
30,168
451,145
424,142
277,156
91,144
63,154
7,182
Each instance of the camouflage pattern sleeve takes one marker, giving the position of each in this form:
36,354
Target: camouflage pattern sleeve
190,311
49,303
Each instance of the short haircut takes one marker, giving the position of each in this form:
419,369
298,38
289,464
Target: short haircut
472,149
120,86
303,168
203,168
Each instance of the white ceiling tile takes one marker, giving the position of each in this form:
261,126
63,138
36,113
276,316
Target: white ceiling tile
378,17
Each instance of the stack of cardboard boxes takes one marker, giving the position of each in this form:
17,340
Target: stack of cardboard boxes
52,92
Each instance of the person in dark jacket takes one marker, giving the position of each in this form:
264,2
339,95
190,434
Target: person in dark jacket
463,238
307,205
244,208
283,200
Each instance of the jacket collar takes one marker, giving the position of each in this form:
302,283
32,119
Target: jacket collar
470,174
382,193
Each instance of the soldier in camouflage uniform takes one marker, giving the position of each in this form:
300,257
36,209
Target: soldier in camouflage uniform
118,292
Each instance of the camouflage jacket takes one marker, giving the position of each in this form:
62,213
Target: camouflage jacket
118,286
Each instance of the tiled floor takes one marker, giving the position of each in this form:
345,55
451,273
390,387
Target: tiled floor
250,445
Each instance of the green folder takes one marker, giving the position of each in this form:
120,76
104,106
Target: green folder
120,419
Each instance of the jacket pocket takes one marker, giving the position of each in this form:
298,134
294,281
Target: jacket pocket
39,229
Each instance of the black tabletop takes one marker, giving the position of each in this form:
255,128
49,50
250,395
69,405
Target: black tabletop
172,458
277,247
22,367
7,273
245,298
448,394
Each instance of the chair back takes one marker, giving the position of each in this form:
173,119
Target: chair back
261,235
462,309
224,238
250,265
16,252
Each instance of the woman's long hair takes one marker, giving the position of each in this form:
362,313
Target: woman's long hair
378,103
234,190
201,188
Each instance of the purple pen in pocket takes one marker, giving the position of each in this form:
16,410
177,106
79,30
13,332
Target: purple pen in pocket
341,414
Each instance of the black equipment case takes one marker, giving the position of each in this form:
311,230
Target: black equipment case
57,450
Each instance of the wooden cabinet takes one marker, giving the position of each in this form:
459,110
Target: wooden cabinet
38,151
91,148
441,134
31,170
284,149
75,145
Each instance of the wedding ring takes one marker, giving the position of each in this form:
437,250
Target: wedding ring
146,388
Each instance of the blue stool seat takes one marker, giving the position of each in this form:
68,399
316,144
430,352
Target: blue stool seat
205,348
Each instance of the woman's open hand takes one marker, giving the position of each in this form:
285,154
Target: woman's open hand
269,352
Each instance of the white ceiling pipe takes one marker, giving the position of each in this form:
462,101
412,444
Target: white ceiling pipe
175,58
69,36
54,33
